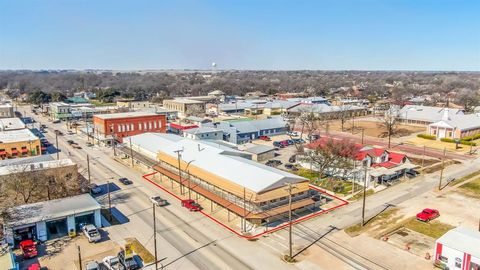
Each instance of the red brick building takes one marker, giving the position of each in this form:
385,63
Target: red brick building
120,125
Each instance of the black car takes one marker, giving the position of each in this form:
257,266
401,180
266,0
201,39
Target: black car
70,142
128,263
125,181
291,167
293,159
273,163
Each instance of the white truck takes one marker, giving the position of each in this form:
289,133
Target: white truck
92,233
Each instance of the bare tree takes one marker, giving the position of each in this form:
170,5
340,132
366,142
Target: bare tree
343,114
389,122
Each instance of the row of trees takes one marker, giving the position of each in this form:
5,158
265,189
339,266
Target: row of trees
461,87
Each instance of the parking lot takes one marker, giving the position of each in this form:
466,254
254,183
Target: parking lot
281,154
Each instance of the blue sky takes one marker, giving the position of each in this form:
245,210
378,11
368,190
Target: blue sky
240,34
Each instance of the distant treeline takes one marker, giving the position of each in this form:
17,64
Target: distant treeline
461,87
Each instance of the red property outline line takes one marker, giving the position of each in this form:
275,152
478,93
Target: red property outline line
344,202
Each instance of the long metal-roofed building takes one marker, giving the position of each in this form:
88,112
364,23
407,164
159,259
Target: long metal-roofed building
226,177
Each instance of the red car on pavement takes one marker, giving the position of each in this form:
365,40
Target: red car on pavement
34,266
428,214
264,138
29,249
191,205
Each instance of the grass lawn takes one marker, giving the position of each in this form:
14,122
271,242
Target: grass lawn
465,178
359,195
335,185
433,228
472,188
140,250
382,220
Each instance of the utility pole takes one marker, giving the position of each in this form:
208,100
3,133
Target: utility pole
364,196
363,133
155,237
56,145
179,170
114,147
443,167
88,168
290,188
109,201
131,149
423,156
79,258
189,188
244,211
353,123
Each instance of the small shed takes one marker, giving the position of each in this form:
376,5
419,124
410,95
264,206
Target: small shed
261,152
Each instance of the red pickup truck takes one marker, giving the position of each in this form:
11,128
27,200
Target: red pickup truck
428,214
29,249
191,205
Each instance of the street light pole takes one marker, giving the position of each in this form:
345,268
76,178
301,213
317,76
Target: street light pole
88,168
56,145
79,258
109,201
155,237
364,195
131,149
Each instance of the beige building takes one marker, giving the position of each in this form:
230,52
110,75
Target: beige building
133,104
185,107
16,140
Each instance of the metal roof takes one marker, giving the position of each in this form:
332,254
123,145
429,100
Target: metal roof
59,208
425,113
201,130
460,121
224,162
462,239
259,149
19,135
11,123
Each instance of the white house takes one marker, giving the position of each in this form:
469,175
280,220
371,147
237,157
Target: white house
459,248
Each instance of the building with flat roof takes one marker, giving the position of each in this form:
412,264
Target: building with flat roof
260,152
244,131
6,110
224,176
459,248
185,106
51,219
116,126
203,133
16,140
327,111
63,110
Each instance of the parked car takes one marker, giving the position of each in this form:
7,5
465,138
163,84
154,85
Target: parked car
428,214
158,201
293,159
273,163
34,266
191,205
92,265
58,132
92,233
290,142
291,167
125,181
278,144
70,132
284,143
265,138
89,144
95,189
112,263
70,142
29,249
76,146
292,133
313,137
129,263
299,141
56,121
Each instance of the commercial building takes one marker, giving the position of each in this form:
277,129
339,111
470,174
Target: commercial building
224,176
459,248
16,140
133,104
6,110
425,115
244,131
51,219
203,133
116,126
63,110
59,173
185,107
455,126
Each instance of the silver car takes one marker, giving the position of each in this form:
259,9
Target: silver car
91,232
